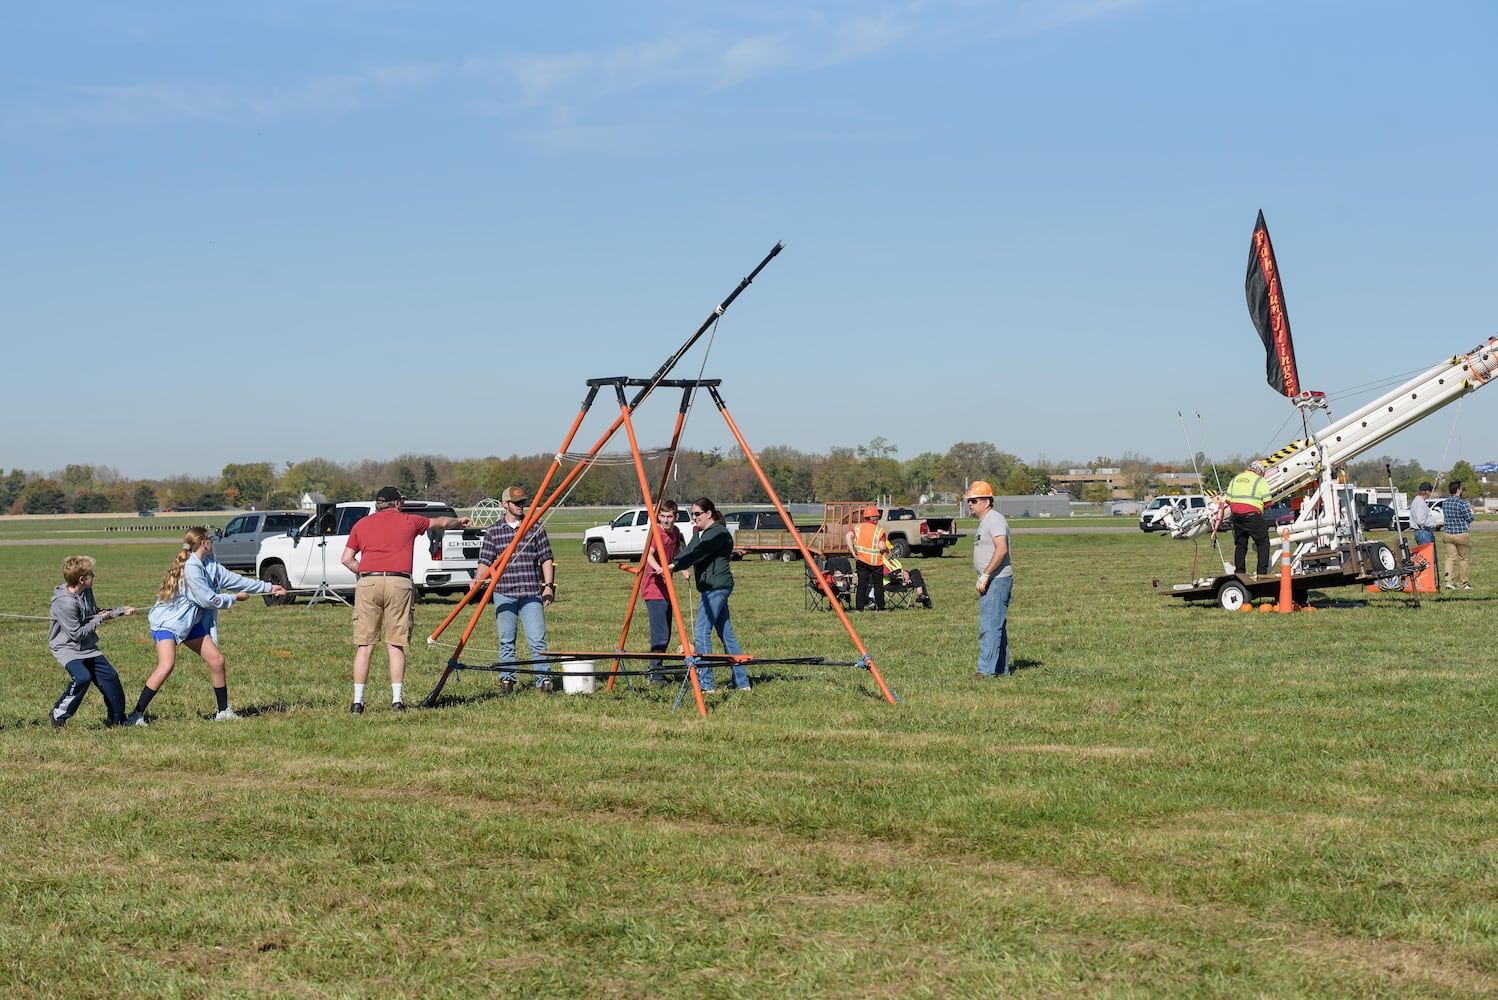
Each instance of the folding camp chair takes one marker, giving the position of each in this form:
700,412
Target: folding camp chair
898,594
839,579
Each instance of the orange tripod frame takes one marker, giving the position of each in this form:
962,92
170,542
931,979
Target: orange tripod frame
545,501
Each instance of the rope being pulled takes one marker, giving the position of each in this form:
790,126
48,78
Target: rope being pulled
545,667
549,663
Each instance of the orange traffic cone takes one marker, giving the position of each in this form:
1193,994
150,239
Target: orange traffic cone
1287,592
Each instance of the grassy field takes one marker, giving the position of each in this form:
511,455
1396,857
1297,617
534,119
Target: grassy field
1165,800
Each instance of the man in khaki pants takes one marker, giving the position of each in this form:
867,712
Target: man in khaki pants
1458,530
380,553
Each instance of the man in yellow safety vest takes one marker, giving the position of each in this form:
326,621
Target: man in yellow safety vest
1247,495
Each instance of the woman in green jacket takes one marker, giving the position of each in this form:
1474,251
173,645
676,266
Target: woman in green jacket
709,553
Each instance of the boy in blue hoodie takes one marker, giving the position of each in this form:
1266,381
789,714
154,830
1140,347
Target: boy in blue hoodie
73,638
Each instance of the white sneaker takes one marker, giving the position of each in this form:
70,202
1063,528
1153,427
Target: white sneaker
225,715
1450,586
136,719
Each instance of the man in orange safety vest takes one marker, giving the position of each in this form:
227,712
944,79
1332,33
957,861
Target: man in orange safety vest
868,544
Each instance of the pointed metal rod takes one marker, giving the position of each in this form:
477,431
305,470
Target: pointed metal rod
716,314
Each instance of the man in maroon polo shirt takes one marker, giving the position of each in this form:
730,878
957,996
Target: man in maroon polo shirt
380,552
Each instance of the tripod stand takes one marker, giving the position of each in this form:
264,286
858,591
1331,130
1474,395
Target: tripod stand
325,591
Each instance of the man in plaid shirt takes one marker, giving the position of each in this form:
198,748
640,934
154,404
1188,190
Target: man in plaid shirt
526,585
1458,514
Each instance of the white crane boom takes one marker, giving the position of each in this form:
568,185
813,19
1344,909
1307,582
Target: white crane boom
1313,461
1300,463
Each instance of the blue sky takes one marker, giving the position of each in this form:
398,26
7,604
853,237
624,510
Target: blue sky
353,230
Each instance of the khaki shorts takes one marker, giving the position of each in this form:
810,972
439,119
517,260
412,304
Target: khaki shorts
387,600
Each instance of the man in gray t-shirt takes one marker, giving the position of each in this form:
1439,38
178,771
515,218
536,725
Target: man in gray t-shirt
995,581
1423,521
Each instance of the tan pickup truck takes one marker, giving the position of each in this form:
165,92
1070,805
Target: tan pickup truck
909,532
765,532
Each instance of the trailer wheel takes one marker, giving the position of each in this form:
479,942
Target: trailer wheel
789,555
1232,595
1382,557
769,556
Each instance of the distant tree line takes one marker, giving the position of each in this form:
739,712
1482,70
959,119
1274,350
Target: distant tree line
864,472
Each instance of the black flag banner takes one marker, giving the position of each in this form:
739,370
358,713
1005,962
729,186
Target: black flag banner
1266,306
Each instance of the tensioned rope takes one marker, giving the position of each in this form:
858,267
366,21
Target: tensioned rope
686,419
615,457
547,666
603,459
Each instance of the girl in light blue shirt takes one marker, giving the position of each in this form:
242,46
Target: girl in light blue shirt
191,595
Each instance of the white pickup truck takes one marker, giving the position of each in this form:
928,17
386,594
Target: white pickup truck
312,555
625,536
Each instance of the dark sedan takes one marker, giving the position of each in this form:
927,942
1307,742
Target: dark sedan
1377,517
1279,513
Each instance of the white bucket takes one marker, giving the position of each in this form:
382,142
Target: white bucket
574,684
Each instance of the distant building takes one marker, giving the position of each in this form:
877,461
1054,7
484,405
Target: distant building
1179,482
1121,485
1074,481
1048,505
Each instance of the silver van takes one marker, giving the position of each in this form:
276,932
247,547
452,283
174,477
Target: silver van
239,542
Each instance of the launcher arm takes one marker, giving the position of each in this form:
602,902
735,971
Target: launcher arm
1300,463
1312,461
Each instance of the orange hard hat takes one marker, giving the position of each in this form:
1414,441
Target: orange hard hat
979,489
871,512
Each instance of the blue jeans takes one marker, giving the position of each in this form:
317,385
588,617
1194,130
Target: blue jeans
660,634
993,629
528,611
712,616
82,673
